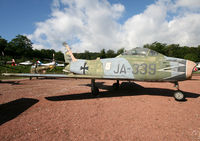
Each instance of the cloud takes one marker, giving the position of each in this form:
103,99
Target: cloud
190,4
154,25
85,25
94,24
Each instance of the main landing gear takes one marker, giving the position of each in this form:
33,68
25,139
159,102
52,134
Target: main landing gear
95,90
178,95
116,85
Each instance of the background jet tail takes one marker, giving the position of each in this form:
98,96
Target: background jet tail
67,57
68,54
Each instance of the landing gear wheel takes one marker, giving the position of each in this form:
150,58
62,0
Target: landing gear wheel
115,86
179,96
95,91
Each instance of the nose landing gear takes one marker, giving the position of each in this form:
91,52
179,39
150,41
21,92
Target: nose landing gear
178,95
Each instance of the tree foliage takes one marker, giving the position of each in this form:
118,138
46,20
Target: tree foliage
175,50
3,45
191,56
120,51
21,48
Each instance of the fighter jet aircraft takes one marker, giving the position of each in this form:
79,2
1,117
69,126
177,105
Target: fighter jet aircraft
40,67
138,64
53,63
198,66
26,63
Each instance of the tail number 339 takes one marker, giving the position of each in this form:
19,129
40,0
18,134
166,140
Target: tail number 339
144,69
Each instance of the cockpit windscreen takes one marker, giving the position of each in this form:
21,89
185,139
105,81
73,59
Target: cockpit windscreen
141,52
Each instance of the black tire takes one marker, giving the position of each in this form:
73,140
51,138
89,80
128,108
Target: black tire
95,91
179,96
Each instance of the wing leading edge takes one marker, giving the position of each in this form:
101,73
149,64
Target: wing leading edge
60,76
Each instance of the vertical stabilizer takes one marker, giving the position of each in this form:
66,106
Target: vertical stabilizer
68,54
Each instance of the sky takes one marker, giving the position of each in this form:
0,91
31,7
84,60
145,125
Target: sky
101,24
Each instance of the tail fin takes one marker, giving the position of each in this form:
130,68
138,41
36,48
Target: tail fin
53,57
68,58
68,54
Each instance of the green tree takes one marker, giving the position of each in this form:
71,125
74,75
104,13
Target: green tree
20,46
102,53
3,45
46,54
183,51
110,53
87,55
198,52
59,56
156,46
192,57
37,54
120,51
172,50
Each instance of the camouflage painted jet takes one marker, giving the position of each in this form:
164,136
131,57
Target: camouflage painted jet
26,63
138,64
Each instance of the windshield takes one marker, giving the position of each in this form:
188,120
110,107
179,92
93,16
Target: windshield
141,52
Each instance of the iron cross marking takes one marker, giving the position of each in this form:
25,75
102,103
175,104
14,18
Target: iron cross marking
84,68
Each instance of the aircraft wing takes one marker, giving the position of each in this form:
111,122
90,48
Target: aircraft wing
34,75
60,76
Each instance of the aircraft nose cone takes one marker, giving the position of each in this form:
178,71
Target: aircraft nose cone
189,68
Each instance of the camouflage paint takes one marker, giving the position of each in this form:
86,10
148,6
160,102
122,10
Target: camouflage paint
140,68
95,68
146,68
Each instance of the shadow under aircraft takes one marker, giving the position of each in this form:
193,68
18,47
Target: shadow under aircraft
137,90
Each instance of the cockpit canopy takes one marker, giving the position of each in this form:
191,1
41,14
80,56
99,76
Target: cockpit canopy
141,52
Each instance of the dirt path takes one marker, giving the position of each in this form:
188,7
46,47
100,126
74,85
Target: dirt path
60,109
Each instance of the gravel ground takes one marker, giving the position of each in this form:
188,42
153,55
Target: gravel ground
63,109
